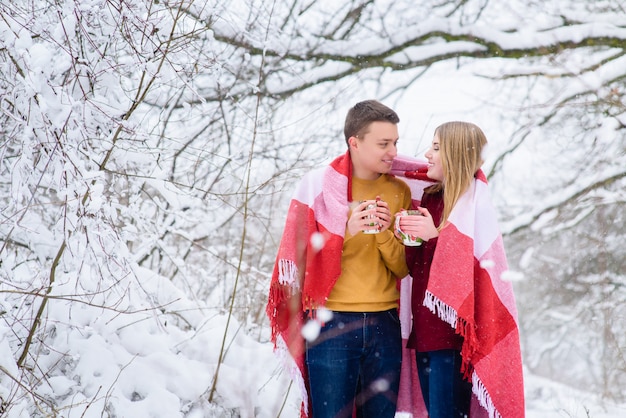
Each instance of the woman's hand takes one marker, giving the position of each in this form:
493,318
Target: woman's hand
421,226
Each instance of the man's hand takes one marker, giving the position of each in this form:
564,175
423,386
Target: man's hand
362,218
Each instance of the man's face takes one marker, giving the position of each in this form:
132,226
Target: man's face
374,151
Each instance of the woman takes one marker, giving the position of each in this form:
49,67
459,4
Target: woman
464,327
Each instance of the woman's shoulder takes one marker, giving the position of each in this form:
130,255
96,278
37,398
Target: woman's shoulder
432,196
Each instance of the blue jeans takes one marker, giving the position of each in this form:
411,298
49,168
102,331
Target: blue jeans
355,362
446,394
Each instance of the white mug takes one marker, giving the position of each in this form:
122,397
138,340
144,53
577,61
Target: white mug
408,240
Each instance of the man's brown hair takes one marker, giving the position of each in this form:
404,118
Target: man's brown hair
362,114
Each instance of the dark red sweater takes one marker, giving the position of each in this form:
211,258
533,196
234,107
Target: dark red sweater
429,333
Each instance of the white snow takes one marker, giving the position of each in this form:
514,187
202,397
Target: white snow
122,340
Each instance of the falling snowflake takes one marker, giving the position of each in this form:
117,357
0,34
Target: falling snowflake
317,241
487,264
512,276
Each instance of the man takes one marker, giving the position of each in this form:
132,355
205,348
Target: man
338,255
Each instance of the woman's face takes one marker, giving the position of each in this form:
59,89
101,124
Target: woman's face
435,169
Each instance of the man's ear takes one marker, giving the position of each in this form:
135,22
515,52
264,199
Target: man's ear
353,142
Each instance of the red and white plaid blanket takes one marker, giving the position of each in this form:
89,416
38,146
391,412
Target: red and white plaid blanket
467,288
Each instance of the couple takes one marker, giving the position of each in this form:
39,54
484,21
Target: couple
335,277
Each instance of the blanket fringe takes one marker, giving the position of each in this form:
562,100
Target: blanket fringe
286,287
444,311
294,373
288,273
279,308
483,397
448,314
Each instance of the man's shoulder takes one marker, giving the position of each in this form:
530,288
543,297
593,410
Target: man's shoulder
313,176
311,184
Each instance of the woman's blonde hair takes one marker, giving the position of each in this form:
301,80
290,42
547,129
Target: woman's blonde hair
460,147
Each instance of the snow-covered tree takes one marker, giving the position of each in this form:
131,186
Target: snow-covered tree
159,139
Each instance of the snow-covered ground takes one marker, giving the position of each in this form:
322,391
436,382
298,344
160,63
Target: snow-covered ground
547,399
162,364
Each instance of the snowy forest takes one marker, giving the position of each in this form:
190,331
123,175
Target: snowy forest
149,150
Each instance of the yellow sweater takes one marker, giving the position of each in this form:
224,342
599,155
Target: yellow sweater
372,263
